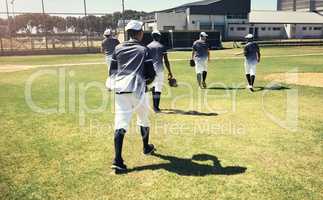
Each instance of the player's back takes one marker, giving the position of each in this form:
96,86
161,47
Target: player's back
157,52
201,47
130,57
250,51
109,45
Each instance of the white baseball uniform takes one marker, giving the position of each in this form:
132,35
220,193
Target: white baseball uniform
158,51
128,81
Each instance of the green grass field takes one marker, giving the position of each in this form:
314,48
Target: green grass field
228,148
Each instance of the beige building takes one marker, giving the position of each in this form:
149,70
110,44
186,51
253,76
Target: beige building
234,19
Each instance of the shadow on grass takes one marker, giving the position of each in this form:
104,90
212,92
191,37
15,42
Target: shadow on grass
190,167
182,112
226,88
259,89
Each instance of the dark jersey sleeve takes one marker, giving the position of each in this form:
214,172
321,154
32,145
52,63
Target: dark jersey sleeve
114,65
194,46
208,44
258,49
149,72
246,50
164,50
103,44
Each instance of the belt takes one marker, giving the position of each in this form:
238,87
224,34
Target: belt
146,90
118,93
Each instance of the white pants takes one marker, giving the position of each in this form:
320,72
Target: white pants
108,59
200,65
250,68
125,105
159,82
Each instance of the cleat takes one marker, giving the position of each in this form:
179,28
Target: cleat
204,85
119,166
150,149
157,110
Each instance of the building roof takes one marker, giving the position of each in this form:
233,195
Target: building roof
285,17
200,3
214,7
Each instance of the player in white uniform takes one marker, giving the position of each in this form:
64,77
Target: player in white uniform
109,44
159,54
201,55
252,55
130,72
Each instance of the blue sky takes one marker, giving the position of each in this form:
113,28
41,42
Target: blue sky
108,6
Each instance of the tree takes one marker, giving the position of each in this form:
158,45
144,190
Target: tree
94,24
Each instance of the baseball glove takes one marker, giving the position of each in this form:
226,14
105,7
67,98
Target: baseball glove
172,82
192,63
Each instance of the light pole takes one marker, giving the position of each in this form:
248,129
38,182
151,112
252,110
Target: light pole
44,23
86,25
124,22
9,26
13,14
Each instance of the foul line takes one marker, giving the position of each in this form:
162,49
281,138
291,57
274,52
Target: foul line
172,60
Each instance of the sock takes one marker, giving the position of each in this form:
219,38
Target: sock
253,77
118,142
157,99
204,76
199,78
248,78
154,99
145,135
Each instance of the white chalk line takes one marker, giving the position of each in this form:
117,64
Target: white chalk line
172,60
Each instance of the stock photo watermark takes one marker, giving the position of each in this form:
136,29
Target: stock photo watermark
73,97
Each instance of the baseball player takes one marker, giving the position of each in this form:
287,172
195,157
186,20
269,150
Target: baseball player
252,58
109,44
201,55
130,72
159,54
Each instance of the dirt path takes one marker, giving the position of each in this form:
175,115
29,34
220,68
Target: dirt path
15,68
306,79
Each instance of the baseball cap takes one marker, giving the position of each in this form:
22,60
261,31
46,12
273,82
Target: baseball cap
134,25
156,32
203,34
107,32
249,36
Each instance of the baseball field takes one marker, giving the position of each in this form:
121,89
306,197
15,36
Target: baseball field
56,135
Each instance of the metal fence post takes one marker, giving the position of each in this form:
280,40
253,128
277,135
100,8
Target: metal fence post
1,45
45,24
32,43
86,27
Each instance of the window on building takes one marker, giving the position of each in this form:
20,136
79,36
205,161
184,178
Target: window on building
276,29
317,28
269,29
241,29
169,28
205,25
263,28
310,28
193,22
304,28
232,29
237,16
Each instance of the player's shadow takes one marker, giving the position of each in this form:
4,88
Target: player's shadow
193,166
278,88
182,112
226,88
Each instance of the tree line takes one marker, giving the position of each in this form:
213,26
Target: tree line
40,23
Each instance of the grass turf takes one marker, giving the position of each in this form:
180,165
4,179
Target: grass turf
201,154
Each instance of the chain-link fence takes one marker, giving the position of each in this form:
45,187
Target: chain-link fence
24,31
